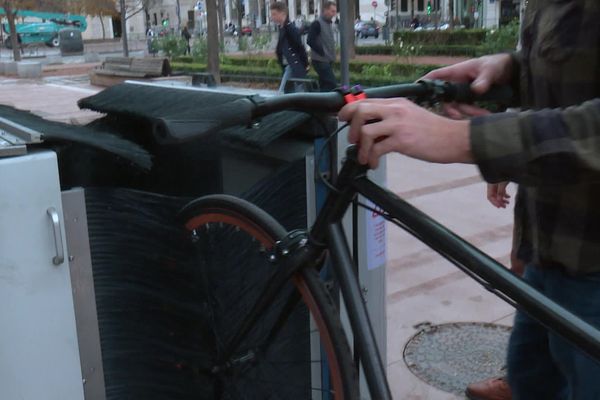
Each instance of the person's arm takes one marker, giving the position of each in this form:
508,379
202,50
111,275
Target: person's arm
550,146
313,33
481,73
560,146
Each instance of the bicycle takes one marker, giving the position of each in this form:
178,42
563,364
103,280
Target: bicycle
297,256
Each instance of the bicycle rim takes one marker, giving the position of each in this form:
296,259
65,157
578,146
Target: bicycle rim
234,280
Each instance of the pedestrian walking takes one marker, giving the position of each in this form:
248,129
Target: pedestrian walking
290,51
322,43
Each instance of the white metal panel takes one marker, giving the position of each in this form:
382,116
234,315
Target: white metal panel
39,354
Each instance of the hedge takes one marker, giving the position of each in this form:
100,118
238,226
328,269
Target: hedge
375,78
447,37
270,63
453,50
375,49
427,50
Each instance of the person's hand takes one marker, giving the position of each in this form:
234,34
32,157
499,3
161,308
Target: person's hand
381,126
482,72
497,195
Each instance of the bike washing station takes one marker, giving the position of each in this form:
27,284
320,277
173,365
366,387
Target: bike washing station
49,316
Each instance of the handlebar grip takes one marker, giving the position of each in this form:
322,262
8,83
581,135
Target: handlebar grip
462,93
209,121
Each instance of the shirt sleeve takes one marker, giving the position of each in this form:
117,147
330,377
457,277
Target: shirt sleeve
313,33
550,146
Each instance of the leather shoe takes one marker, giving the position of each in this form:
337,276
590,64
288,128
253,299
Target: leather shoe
489,389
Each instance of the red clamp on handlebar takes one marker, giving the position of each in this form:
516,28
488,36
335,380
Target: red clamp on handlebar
360,96
353,94
350,98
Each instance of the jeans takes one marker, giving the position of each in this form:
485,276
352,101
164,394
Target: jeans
542,365
287,74
326,77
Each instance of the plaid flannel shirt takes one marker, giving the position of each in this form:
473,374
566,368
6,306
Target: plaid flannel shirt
552,150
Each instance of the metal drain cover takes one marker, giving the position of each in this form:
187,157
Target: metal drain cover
451,356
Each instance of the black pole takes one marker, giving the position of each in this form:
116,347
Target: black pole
342,266
345,32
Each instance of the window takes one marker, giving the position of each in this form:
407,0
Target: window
404,5
421,5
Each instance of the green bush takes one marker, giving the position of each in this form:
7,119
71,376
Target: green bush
261,40
427,50
374,49
447,37
243,43
183,59
200,50
170,45
453,50
364,73
503,39
374,70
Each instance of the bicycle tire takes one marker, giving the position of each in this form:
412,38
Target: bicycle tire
231,212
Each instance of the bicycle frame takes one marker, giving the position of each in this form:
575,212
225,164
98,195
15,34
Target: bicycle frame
327,234
484,269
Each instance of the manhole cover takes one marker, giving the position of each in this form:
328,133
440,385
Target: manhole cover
450,356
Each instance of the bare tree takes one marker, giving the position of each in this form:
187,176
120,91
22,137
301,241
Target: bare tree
128,9
94,8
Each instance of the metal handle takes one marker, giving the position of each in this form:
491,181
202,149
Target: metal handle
59,258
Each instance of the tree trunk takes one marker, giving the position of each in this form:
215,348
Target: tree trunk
178,12
102,25
124,28
14,41
212,33
239,15
220,18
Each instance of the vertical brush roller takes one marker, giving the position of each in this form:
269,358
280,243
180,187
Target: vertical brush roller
157,334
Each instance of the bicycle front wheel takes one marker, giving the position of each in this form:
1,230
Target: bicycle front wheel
234,240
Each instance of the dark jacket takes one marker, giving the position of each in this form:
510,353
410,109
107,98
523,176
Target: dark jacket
290,48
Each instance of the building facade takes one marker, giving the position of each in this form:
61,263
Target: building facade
172,15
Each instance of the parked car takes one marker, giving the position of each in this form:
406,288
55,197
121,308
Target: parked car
246,30
357,27
369,29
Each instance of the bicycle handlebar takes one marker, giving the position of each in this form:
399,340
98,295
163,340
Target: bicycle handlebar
243,111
